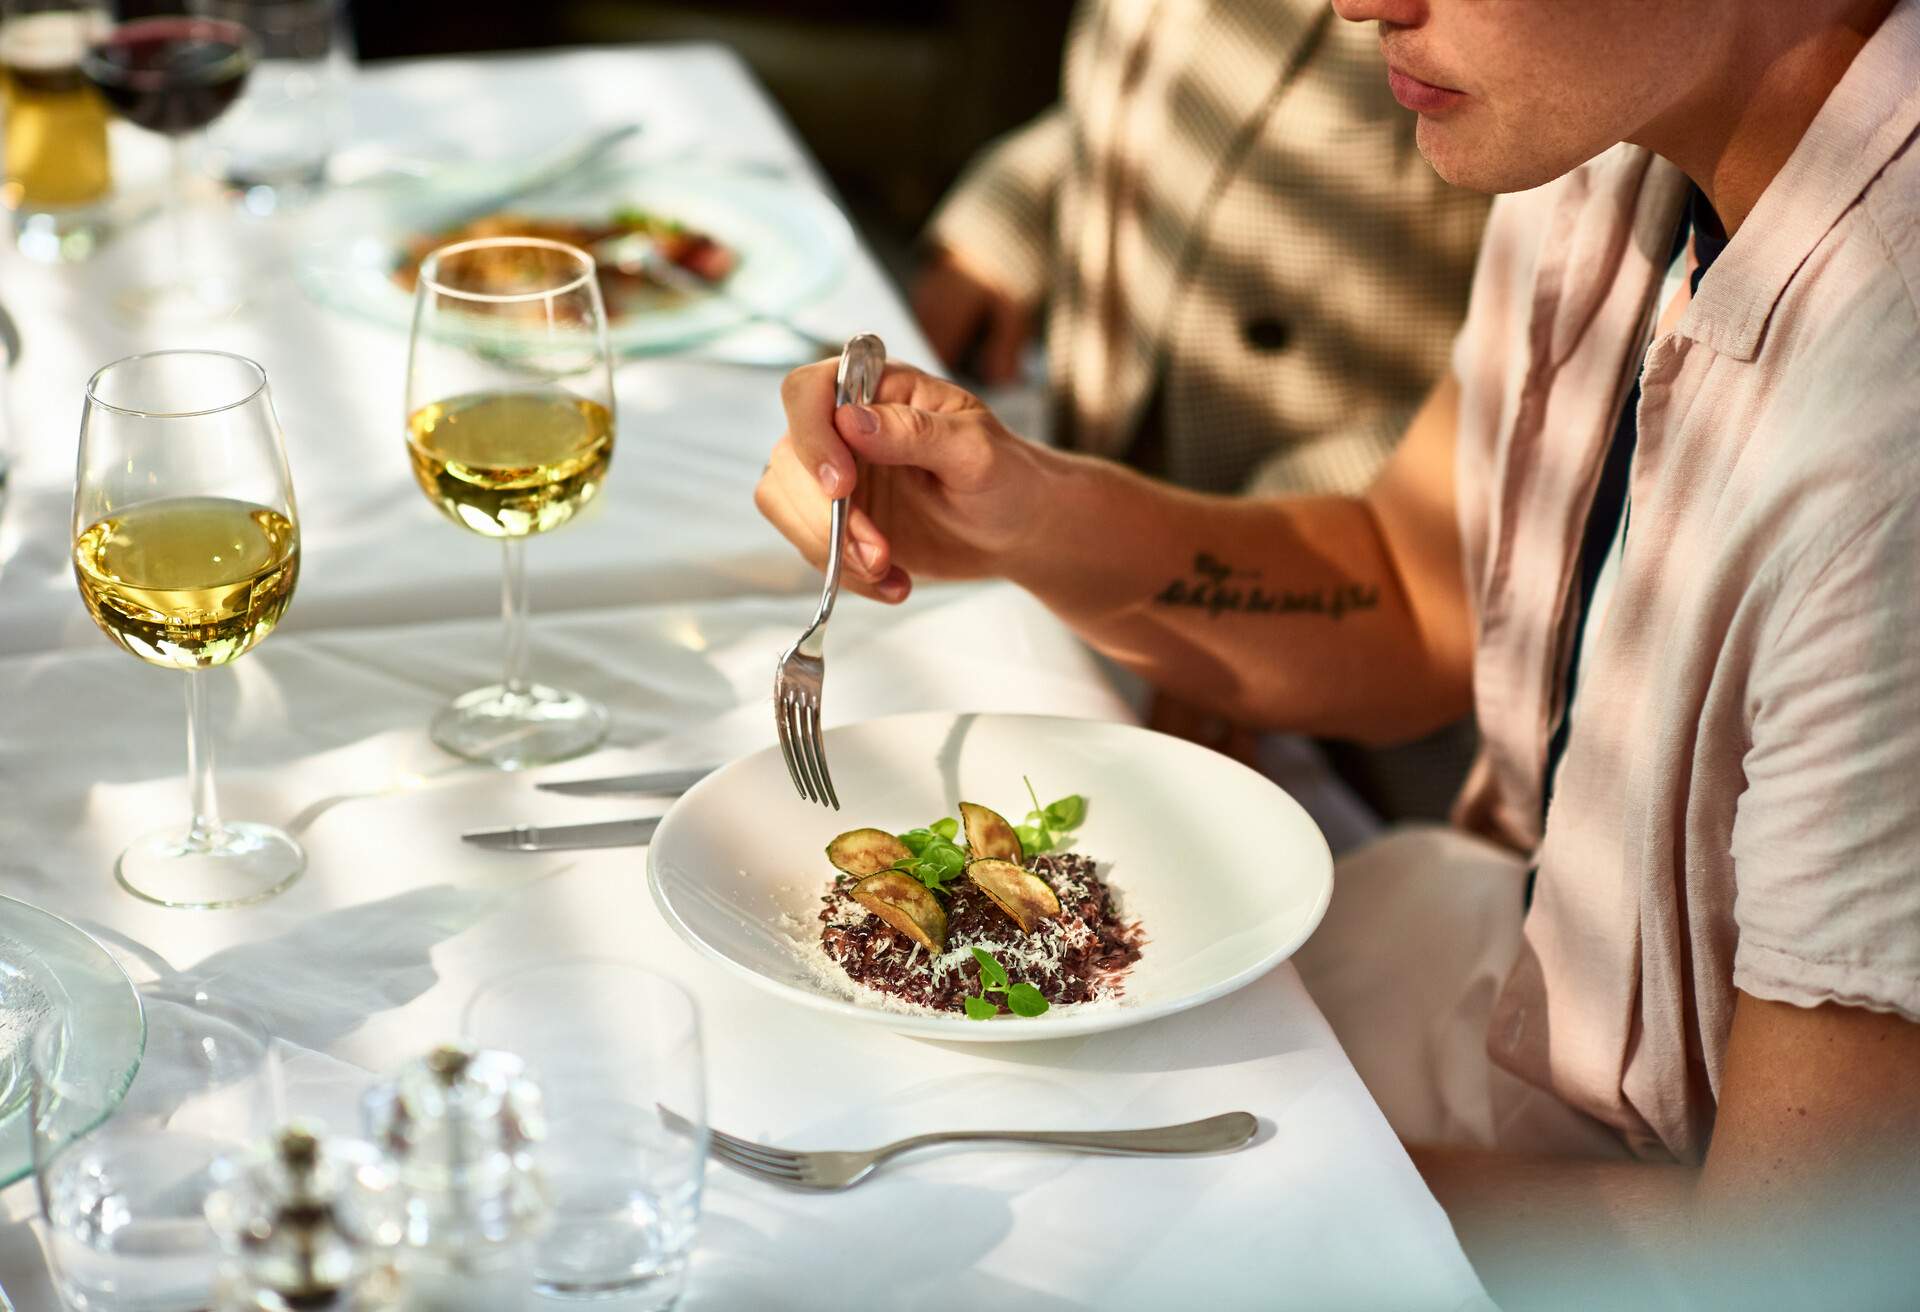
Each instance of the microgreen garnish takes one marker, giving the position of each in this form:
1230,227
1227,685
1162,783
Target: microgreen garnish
1047,827
1023,999
937,860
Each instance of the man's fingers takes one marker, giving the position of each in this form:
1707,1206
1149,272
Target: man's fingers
868,550
792,501
807,394
951,447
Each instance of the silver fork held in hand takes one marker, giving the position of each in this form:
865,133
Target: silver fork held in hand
797,680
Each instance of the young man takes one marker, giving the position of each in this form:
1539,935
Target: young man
1660,530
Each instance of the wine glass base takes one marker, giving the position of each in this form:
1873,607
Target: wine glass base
245,862
519,730
194,300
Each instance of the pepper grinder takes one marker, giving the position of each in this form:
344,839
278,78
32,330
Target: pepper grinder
460,1125
308,1223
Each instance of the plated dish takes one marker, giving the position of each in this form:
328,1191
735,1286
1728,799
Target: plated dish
1211,876
627,287
782,243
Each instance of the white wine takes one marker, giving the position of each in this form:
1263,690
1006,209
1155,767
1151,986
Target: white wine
510,464
188,582
55,124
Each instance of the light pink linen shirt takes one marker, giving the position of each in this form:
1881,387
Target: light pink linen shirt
1738,806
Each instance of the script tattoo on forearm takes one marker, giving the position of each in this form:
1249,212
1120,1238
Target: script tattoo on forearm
1218,589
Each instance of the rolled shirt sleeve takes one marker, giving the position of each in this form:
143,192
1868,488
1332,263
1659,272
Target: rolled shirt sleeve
1826,838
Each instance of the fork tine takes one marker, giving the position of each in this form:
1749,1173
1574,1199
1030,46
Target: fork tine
819,752
777,1174
746,1145
790,709
758,1152
786,737
803,746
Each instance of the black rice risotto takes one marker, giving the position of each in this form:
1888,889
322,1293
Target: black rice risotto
1081,955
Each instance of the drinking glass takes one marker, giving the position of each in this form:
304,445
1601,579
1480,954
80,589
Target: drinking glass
123,1192
510,430
616,1052
174,74
273,148
57,167
186,548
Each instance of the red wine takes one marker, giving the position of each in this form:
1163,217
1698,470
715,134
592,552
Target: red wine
171,75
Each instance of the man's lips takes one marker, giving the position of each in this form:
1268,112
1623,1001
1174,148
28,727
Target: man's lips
1421,97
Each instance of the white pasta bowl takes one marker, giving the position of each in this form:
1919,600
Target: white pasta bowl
1225,872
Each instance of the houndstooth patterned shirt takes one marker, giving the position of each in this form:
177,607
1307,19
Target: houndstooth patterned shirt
1240,248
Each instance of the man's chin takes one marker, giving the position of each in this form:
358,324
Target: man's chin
1478,161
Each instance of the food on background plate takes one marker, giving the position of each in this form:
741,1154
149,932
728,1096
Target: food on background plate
625,288
1009,920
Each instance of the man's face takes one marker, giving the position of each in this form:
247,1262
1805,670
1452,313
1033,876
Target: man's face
1513,93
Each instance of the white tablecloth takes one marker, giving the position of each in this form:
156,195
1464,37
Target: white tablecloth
673,522
677,602
369,958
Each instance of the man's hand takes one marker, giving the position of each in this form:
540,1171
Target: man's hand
946,491
958,308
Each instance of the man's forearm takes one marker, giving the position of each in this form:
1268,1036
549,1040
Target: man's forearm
1286,612
1546,1231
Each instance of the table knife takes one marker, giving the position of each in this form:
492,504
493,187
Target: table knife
658,783
555,170
557,838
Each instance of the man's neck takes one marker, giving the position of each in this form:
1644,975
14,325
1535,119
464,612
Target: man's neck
1739,130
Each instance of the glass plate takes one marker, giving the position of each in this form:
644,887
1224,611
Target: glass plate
46,964
791,243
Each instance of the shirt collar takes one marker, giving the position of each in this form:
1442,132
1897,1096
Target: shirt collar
1865,122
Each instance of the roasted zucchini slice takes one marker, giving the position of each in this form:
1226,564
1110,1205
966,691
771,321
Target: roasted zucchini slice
904,902
863,852
988,835
1022,894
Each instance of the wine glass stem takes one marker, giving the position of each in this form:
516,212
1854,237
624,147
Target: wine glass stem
205,830
179,185
513,610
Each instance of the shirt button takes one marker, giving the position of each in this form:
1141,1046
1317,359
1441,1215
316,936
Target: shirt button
1266,334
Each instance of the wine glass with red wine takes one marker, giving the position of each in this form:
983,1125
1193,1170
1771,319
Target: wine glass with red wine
174,74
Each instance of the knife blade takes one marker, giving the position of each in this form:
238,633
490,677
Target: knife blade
557,838
656,783
558,169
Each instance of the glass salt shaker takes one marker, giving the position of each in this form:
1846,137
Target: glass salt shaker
308,1223
460,1125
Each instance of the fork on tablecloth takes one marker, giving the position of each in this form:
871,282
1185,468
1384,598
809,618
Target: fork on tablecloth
839,1170
796,683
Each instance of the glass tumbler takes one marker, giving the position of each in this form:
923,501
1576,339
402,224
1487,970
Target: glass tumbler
274,147
123,1193
616,1052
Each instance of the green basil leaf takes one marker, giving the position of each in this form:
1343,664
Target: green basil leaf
980,1009
1068,812
946,828
993,975
1033,840
1025,1000
916,840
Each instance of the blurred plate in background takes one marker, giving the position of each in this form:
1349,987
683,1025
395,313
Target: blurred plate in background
790,242
48,966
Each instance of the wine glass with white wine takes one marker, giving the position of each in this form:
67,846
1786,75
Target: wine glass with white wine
510,430
186,545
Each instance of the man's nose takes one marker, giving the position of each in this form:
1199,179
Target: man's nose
1400,13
